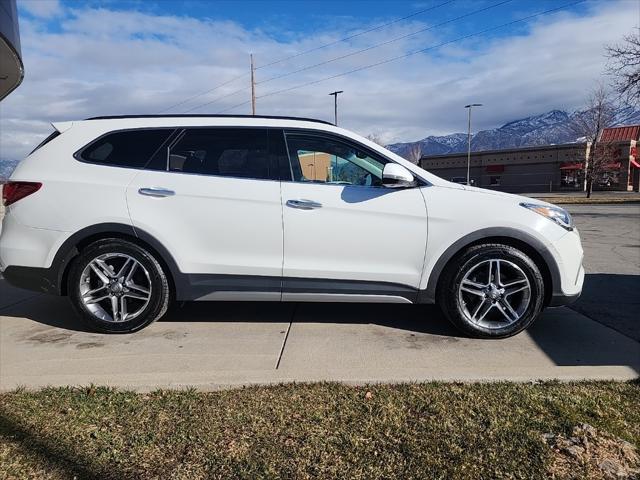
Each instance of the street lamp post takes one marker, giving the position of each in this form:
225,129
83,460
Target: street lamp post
469,107
335,105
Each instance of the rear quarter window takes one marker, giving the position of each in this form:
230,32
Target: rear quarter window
127,148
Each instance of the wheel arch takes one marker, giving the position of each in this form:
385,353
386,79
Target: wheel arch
525,242
71,248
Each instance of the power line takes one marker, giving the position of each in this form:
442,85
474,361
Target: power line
335,42
204,93
365,49
378,27
399,57
386,42
215,100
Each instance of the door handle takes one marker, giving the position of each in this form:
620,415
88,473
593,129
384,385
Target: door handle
156,192
303,204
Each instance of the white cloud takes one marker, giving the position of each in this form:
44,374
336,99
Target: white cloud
42,8
101,61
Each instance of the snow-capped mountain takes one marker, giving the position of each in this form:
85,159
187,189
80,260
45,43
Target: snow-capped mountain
6,168
545,129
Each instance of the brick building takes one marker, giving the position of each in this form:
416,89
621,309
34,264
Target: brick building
545,168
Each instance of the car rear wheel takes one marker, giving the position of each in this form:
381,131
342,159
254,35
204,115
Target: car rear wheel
492,291
117,286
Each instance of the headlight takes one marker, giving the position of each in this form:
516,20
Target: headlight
555,214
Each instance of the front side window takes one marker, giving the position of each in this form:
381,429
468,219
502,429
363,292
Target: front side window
324,160
128,148
227,152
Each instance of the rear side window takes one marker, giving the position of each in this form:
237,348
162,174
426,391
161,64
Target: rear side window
227,152
129,148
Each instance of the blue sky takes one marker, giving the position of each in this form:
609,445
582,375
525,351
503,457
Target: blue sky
287,20
114,57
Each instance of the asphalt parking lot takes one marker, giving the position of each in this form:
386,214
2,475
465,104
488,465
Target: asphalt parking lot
213,345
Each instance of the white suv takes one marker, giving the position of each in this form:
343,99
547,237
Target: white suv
125,214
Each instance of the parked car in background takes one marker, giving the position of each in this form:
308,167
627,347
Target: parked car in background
126,214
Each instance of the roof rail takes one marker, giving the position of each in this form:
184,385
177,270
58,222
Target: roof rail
186,115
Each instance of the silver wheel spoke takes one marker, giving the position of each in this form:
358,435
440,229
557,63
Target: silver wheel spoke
104,278
108,270
90,293
472,290
96,299
511,291
115,308
481,310
129,263
504,278
123,308
497,276
137,288
131,272
490,279
507,310
89,297
111,296
515,282
136,296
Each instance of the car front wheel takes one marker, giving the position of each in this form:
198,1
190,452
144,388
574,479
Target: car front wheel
492,291
117,286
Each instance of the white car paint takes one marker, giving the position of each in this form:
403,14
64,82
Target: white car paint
217,225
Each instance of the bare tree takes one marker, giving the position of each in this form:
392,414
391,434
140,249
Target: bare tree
624,66
375,138
414,153
589,124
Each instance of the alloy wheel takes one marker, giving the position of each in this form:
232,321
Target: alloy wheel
115,287
494,293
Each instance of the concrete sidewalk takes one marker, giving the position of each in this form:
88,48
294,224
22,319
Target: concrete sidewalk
213,345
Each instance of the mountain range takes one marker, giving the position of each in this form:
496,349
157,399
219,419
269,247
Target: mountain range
554,127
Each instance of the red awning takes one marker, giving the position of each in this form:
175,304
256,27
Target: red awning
572,166
613,166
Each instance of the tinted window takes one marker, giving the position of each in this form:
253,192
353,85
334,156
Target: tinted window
131,148
324,160
229,152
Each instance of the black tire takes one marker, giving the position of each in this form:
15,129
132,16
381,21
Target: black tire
158,295
477,256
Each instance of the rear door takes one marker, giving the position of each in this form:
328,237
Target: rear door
347,237
212,198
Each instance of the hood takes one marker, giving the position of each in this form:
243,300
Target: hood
514,197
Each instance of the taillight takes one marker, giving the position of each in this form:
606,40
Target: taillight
14,191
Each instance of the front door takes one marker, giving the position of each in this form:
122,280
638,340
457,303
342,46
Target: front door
347,237
214,203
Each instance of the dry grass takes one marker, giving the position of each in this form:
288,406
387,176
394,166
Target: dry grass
324,430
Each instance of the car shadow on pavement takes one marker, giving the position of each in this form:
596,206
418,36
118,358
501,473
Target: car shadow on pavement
565,337
425,319
57,312
613,300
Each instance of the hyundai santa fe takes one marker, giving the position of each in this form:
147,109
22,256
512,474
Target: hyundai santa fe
127,214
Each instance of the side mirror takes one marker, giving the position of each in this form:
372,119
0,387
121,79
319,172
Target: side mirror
394,175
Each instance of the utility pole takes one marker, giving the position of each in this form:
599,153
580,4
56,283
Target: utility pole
335,105
253,87
469,107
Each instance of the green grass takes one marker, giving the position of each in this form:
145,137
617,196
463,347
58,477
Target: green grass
324,430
